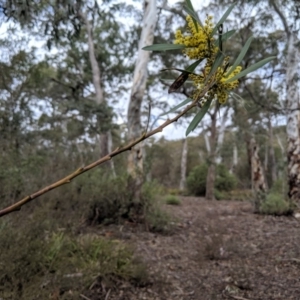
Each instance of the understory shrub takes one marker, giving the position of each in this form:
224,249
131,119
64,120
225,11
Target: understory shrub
196,180
41,261
279,187
114,200
275,204
172,200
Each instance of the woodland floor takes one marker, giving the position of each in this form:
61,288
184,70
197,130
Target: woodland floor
217,250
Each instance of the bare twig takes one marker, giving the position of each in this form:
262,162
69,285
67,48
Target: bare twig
234,297
84,297
17,206
107,295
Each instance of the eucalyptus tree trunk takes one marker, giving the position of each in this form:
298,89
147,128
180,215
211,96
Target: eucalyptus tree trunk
258,180
293,119
272,153
234,159
105,138
211,173
221,136
207,143
135,157
293,103
183,164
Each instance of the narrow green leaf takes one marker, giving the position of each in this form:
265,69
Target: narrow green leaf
189,69
226,36
251,69
237,96
189,4
194,65
180,70
163,47
217,63
224,17
234,96
187,100
241,56
193,14
167,80
199,116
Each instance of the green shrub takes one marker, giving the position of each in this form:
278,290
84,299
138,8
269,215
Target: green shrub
174,192
279,187
40,260
111,199
115,200
220,195
239,195
172,200
275,204
224,180
158,220
196,180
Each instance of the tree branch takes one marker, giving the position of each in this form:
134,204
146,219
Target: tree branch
281,16
17,206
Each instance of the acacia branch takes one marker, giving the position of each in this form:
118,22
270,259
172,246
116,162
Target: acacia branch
17,206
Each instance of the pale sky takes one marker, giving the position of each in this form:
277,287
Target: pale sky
170,132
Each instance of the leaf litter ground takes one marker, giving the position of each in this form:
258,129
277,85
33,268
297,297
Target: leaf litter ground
216,250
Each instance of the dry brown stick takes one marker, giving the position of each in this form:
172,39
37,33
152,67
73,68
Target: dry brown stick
233,297
107,295
119,150
84,297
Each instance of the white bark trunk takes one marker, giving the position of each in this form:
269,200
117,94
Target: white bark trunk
280,145
207,143
234,159
266,163
293,101
221,136
94,64
272,153
258,180
293,118
183,164
109,148
135,158
211,172
105,138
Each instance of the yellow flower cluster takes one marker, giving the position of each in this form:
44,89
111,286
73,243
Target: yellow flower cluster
201,44
223,87
220,88
199,40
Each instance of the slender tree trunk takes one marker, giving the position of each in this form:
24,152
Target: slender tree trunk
283,153
293,119
221,136
135,157
266,163
105,138
272,153
293,102
183,164
211,174
207,143
258,180
234,159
